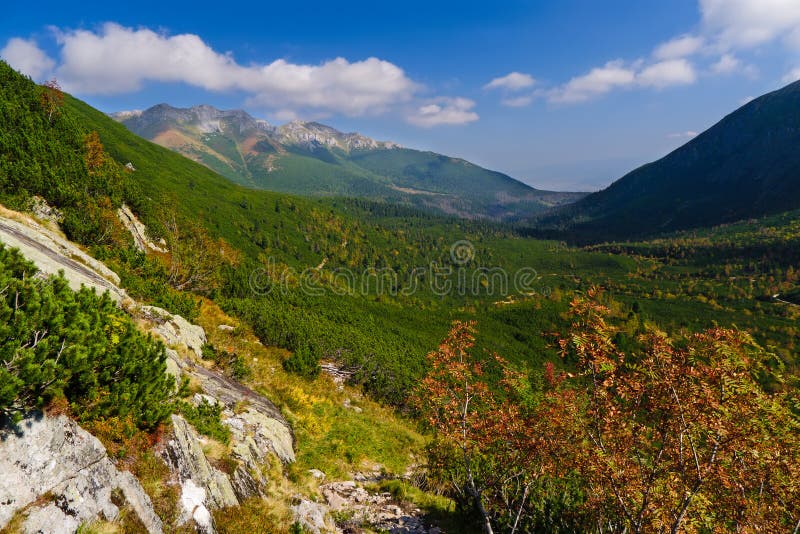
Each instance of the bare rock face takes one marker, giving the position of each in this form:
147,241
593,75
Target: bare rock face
257,427
203,487
186,457
175,330
52,253
55,458
137,229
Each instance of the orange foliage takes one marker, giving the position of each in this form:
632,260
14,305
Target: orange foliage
678,438
670,437
95,153
52,99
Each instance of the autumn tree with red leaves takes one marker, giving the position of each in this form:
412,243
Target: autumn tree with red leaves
485,450
668,436
678,437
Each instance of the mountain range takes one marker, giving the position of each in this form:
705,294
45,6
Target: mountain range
312,159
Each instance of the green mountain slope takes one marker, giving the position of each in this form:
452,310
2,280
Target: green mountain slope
747,165
312,159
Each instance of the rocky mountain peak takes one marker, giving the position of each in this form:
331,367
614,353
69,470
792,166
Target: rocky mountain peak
206,119
304,133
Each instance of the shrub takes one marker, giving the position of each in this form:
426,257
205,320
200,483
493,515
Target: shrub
58,342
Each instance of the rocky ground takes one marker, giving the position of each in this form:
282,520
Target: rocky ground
61,475
57,477
353,507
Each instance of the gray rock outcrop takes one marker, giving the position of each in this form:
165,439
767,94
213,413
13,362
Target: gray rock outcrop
54,459
174,329
313,517
137,230
52,253
185,456
258,429
44,211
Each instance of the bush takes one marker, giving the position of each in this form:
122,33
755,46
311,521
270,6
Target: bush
58,342
206,419
302,362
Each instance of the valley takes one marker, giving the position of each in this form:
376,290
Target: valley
281,254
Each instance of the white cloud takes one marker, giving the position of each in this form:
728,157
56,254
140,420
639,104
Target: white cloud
727,63
26,57
618,75
683,135
667,73
285,115
596,82
513,81
118,60
747,23
730,64
792,76
679,47
746,100
517,101
444,111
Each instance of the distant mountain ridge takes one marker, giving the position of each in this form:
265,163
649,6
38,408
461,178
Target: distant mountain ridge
208,119
309,158
747,165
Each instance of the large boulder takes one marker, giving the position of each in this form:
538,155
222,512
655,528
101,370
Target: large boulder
64,477
256,424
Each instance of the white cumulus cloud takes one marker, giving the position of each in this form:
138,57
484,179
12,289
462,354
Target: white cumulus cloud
679,47
683,135
517,101
747,23
598,81
444,111
513,81
619,75
26,57
118,59
667,73
727,63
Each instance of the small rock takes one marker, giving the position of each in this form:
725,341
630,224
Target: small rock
316,473
312,517
193,502
225,328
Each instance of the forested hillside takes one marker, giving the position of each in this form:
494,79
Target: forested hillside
747,165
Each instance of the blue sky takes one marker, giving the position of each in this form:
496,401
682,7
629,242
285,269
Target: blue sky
562,95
